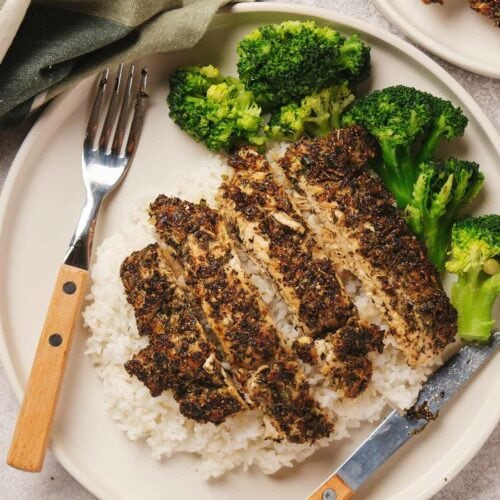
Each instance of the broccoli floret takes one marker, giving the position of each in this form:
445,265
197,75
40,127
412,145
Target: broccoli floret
475,258
284,62
353,61
214,109
448,122
408,124
442,189
315,115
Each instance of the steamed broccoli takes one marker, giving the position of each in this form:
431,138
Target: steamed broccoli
314,115
408,124
475,257
284,62
353,62
214,109
442,189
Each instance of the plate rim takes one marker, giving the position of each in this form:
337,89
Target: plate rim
440,50
90,483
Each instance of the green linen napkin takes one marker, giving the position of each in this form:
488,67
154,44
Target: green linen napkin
59,42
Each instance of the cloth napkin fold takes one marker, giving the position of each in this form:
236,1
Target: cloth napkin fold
47,46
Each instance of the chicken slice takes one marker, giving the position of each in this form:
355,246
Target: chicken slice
283,393
365,234
179,356
275,235
235,312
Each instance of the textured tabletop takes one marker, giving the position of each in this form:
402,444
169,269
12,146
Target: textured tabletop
479,480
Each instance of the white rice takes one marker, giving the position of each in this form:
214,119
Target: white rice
241,441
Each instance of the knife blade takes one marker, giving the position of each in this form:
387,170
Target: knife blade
396,429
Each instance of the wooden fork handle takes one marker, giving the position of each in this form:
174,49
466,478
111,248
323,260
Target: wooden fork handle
31,436
334,488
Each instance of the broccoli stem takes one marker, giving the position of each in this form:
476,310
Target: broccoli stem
437,241
437,237
473,295
318,126
398,173
429,145
335,120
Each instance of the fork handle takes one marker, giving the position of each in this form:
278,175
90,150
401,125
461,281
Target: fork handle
31,436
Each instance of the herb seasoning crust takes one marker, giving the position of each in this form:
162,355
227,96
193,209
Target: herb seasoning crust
273,232
179,356
270,375
364,233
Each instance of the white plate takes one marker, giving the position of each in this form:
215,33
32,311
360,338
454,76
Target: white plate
452,31
41,202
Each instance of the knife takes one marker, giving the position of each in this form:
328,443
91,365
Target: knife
398,428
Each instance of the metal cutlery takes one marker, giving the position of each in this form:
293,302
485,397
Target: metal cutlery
397,429
107,156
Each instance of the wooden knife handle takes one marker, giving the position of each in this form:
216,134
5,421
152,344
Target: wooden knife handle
334,488
31,436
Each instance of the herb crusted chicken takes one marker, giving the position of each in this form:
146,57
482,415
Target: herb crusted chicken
360,230
364,232
179,356
274,234
269,374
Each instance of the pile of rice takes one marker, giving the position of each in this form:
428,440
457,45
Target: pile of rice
241,440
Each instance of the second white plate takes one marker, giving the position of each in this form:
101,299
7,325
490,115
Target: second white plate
452,31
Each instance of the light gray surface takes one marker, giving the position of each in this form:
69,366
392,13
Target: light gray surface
479,480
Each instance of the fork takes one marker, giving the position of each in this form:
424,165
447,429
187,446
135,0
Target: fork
105,161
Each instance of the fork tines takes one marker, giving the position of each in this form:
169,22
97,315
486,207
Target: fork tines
118,115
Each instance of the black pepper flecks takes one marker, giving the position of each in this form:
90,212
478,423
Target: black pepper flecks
376,244
273,231
235,312
179,356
